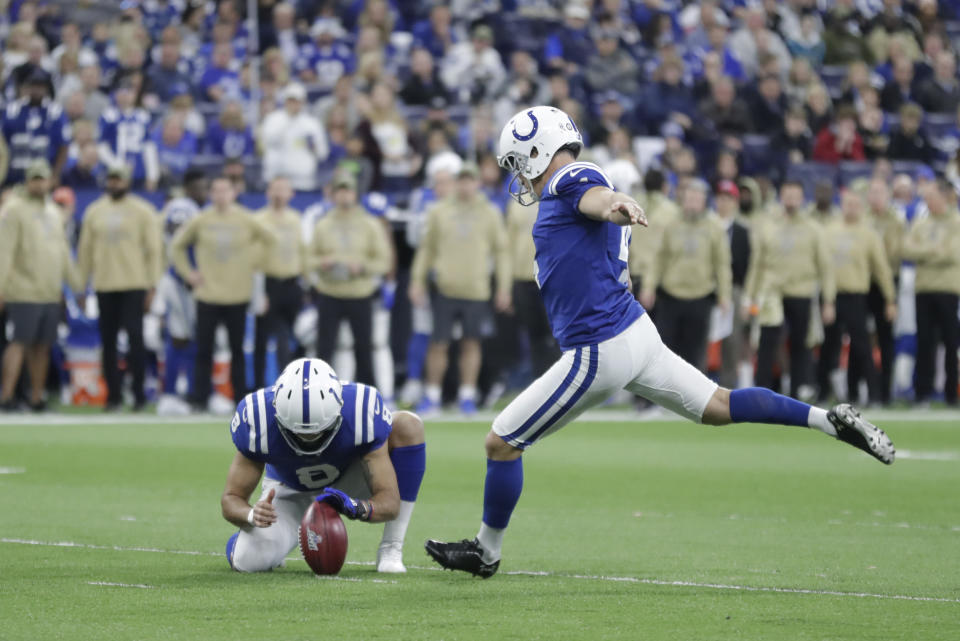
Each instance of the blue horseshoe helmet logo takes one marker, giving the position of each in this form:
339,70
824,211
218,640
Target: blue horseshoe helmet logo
533,131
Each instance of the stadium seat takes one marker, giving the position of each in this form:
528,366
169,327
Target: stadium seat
907,167
809,174
850,171
939,125
833,77
756,154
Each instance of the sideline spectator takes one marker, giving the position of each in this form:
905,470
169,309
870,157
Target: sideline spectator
35,261
120,255
464,236
733,348
283,264
859,259
349,254
688,276
226,241
788,262
933,243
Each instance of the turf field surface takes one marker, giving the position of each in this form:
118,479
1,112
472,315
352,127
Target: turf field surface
658,530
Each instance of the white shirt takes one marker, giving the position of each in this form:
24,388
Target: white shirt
463,66
293,145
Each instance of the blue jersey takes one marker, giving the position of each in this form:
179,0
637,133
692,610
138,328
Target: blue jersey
581,263
126,133
229,143
176,158
32,132
329,63
366,426
177,213
227,80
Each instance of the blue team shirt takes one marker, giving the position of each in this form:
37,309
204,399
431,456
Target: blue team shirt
366,426
329,63
581,263
127,134
229,143
33,132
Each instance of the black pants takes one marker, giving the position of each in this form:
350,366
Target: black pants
796,315
285,299
122,310
851,320
937,312
359,313
234,317
878,309
532,317
683,325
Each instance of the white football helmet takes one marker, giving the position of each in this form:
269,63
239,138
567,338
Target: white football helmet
308,398
529,142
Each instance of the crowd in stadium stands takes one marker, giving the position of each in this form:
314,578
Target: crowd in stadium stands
799,161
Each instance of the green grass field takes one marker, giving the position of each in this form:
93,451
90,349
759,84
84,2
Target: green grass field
625,531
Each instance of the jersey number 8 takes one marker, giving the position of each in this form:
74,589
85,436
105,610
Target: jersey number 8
317,476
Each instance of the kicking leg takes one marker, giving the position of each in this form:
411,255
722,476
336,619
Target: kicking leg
408,454
759,405
668,380
555,399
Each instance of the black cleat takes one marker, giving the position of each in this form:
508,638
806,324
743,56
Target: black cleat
860,433
465,555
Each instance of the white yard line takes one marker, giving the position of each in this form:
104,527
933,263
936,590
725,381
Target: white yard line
486,416
918,455
584,577
13,470
121,585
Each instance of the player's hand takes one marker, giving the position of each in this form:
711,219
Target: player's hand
148,299
418,295
264,514
829,314
648,300
345,505
891,312
195,279
502,302
627,211
746,310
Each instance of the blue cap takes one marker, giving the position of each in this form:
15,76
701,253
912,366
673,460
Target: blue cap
611,95
671,129
925,173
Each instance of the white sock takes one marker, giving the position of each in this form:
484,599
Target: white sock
818,419
468,392
491,540
396,530
433,393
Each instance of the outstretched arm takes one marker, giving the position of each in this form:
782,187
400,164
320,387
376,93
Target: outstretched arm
604,204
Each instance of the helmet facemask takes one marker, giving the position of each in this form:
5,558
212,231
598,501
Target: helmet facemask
309,439
519,188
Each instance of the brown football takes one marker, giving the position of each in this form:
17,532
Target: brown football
323,539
